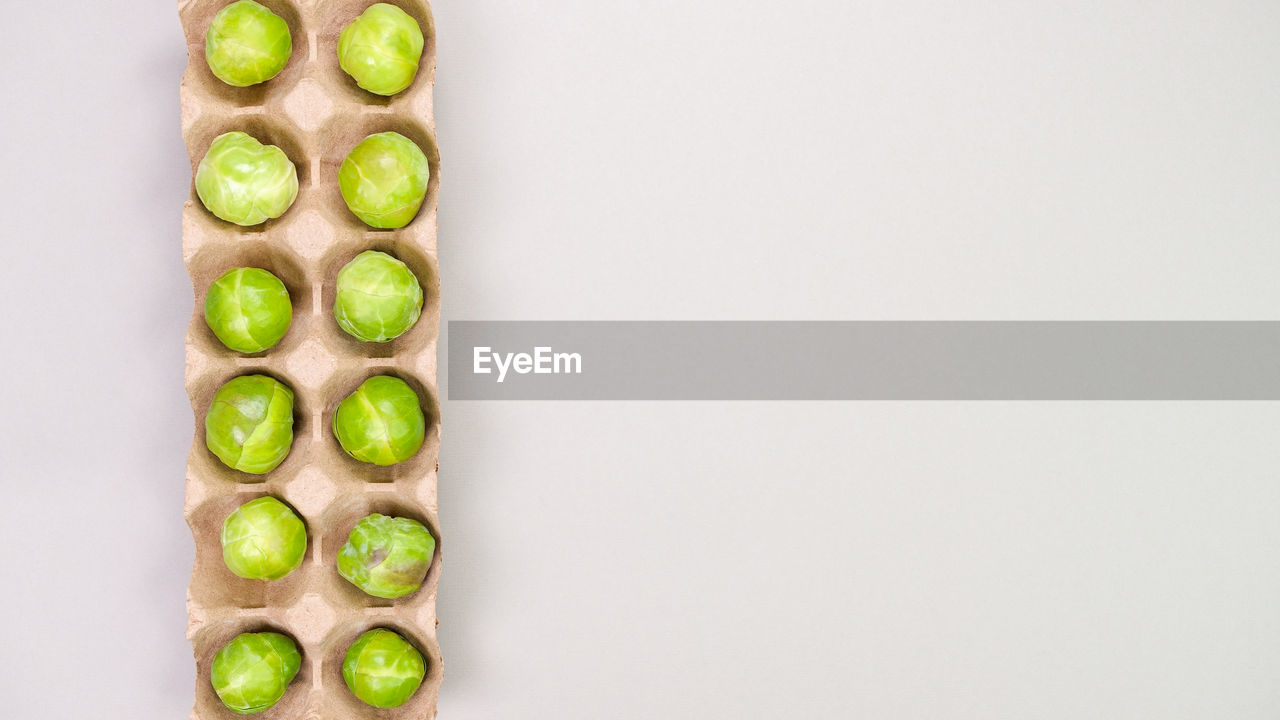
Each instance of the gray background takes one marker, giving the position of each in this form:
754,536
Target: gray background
708,159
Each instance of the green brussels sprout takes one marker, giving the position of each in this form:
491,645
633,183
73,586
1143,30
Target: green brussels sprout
248,309
381,49
252,672
247,44
245,182
381,422
378,297
383,669
384,180
387,557
249,426
263,540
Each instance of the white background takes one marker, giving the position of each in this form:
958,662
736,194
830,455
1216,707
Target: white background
707,159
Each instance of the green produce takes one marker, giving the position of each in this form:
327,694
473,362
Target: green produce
387,557
381,49
263,540
384,180
249,426
248,309
383,669
245,182
252,672
247,44
378,297
381,422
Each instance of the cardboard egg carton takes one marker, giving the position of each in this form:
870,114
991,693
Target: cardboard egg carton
316,114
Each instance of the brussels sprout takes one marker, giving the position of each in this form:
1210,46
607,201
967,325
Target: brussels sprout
247,44
252,672
381,422
387,557
248,309
245,182
263,540
381,49
249,426
384,180
383,669
378,297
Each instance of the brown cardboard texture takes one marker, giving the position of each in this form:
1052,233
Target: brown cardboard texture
316,114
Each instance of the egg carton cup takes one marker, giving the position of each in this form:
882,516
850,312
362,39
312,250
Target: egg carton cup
316,114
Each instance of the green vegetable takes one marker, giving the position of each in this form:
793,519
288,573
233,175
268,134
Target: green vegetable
249,426
381,49
252,672
263,540
383,669
381,422
247,44
387,557
384,180
248,309
378,297
245,182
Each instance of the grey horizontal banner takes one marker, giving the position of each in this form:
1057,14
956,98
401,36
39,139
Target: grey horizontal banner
864,360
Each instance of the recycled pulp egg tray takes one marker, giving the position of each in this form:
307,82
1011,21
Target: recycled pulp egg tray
316,114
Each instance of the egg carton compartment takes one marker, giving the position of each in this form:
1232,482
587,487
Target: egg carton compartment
214,585
196,15
342,133
213,260
343,704
315,113
204,464
420,464
300,699
338,520
408,250
332,16
268,129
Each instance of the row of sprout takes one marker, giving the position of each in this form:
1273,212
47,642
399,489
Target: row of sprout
377,298
383,180
249,425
